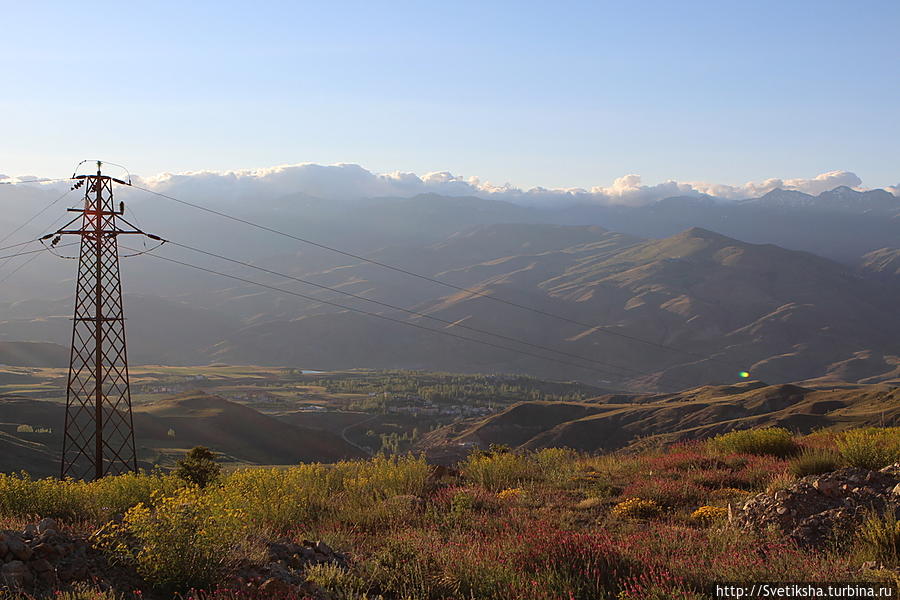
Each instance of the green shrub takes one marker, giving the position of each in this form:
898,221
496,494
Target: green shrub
870,447
879,538
772,441
97,501
198,467
499,471
184,540
814,461
637,508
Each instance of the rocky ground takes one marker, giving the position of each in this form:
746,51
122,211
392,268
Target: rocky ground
42,558
820,509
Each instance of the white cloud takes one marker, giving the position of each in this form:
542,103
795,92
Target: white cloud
351,182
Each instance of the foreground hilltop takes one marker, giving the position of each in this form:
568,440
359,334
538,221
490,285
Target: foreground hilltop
614,421
749,506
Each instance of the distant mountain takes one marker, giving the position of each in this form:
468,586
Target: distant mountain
840,199
159,330
728,305
842,224
613,422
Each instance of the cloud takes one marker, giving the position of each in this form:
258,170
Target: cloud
353,182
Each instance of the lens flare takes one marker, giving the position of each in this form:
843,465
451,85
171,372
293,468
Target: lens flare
744,374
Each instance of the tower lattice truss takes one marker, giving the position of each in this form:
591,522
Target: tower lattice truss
99,430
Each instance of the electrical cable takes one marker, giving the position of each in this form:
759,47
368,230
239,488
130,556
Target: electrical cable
367,313
597,328
406,310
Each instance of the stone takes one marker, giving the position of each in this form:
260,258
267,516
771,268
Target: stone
18,548
323,548
276,588
15,574
41,565
820,508
47,524
31,530
45,550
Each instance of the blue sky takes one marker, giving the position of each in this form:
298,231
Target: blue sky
552,93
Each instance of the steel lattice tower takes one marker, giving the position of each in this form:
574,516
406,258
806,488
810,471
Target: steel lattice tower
99,430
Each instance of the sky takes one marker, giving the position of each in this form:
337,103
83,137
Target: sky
552,94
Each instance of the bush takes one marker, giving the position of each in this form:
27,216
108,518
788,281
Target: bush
870,447
772,441
708,515
186,540
198,467
637,508
814,461
499,471
97,501
780,482
879,538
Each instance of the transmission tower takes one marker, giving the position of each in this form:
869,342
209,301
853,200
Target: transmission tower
98,438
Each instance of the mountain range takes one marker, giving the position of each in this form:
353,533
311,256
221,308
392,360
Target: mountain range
802,287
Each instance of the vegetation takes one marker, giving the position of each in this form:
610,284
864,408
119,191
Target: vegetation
772,441
814,461
546,525
870,447
198,467
448,388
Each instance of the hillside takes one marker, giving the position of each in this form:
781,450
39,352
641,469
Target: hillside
783,315
615,421
237,430
167,428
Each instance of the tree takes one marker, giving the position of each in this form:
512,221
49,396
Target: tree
198,466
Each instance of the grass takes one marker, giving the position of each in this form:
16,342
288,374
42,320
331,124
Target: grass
768,441
870,447
545,525
815,461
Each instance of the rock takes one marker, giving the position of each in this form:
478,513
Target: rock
41,565
817,508
47,524
323,548
15,574
45,550
277,588
31,530
18,548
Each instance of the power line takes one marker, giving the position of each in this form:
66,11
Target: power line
27,252
474,292
35,254
406,310
17,245
35,216
34,181
367,313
